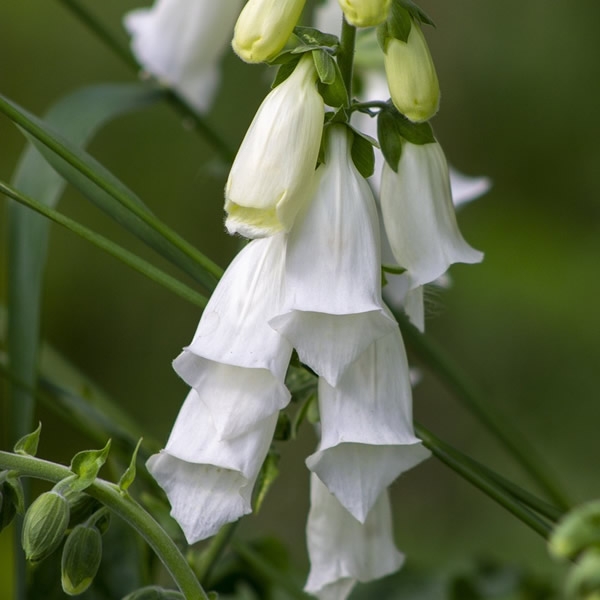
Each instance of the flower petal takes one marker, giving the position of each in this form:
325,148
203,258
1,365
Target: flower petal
180,42
466,188
419,217
333,308
209,481
343,551
366,427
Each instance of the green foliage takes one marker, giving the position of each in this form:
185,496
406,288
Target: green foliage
28,444
129,475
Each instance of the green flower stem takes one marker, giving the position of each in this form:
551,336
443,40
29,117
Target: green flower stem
346,55
487,486
431,354
19,118
128,258
123,506
205,563
263,567
192,119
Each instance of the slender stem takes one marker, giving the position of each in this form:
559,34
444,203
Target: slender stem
194,120
346,55
123,506
205,563
128,258
443,366
488,487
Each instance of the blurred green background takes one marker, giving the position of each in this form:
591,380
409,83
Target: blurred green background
520,97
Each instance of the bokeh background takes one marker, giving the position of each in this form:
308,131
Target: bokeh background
520,97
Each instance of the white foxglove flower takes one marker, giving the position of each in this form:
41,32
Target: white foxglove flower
333,309
365,13
343,551
236,362
367,437
209,481
418,214
271,175
181,41
411,76
466,188
264,27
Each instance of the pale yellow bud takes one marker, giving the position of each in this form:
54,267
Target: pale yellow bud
365,13
264,27
411,76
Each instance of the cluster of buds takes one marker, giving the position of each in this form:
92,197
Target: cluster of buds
310,281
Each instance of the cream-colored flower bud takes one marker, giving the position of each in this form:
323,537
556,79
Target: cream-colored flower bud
365,13
264,27
271,175
411,76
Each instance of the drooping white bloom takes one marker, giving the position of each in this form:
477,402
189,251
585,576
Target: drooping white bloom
418,214
367,437
271,175
365,13
333,309
411,76
264,27
236,362
343,551
180,42
209,481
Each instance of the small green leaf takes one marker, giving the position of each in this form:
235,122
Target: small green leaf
363,155
283,428
129,475
86,465
393,269
399,22
325,66
284,71
302,413
267,476
334,94
416,12
313,37
28,444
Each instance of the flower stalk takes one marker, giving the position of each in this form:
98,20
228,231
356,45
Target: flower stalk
346,55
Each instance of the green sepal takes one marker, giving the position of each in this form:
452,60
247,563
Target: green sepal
28,444
362,152
154,592
284,71
86,465
267,476
576,531
394,128
334,94
129,475
325,66
416,12
81,558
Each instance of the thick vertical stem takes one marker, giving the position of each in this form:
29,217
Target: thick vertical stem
346,55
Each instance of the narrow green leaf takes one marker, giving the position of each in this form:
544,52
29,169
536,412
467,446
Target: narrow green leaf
335,94
86,465
399,22
267,476
28,444
325,66
129,475
363,155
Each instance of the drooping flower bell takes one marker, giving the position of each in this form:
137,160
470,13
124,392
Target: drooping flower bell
418,214
365,13
180,42
264,27
271,176
333,309
342,550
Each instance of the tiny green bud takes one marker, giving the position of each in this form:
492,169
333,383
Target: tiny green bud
577,531
80,559
154,592
583,581
82,507
45,525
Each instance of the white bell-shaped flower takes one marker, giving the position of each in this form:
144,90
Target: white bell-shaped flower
264,27
180,42
365,13
270,178
209,481
418,214
342,550
236,362
333,309
367,437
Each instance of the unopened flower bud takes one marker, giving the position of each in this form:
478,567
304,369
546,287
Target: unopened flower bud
264,27
583,581
80,559
365,13
154,592
411,76
578,530
45,524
